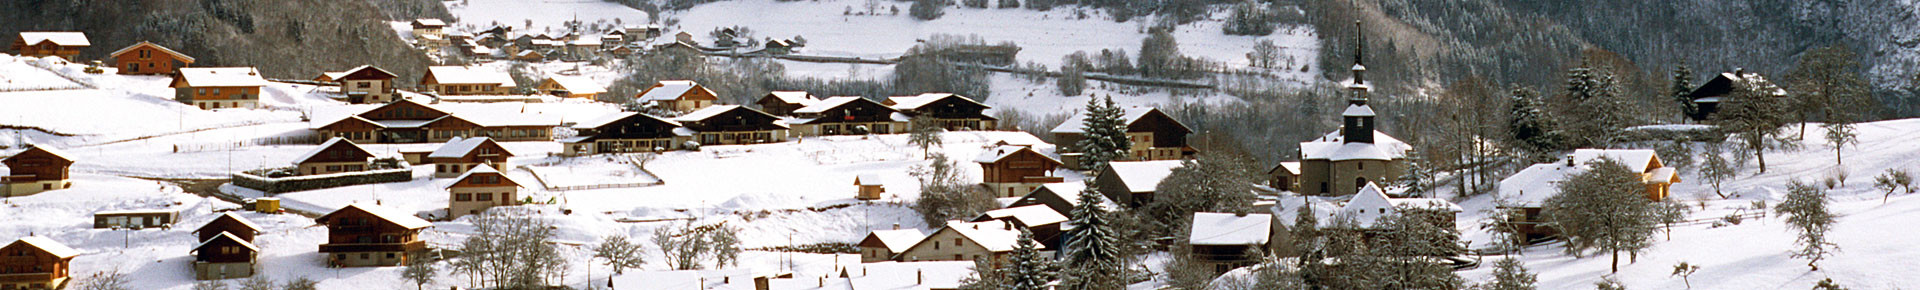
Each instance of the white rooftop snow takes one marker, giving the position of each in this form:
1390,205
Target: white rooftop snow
1074,123
667,90
824,105
1636,159
578,85
1358,111
403,220
1032,215
236,239
222,77
1222,229
470,75
723,279
915,102
323,147
995,236
794,97
1371,203
703,113
55,248
1000,152
899,240
458,147
1331,147
62,38
909,275
1143,176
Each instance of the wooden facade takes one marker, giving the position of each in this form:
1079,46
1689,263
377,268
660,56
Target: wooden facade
677,95
225,256
228,223
35,263
409,121
477,190
147,58
218,87
462,154
848,116
335,156
1010,171
625,133
1154,134
948,111
732,124
359,236
783,103
35,170
367,85
457,80
64,44
871,185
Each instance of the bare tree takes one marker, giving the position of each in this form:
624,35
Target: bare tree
509,249
108,280
1806,212
687,246
619,253
259,282
419,271
301,283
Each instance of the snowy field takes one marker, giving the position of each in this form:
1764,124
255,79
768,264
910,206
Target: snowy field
545,15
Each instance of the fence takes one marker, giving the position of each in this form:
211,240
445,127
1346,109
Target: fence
1748,215
303,139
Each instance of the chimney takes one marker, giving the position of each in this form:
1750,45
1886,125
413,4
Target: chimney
896,226
1740,72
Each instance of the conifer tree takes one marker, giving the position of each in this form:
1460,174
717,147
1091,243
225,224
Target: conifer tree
1030,270
1806,212
1104,134
1531,127
1682,88
1510,274
1093,257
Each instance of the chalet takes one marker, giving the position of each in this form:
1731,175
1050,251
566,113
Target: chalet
847,116
135,219
1155,135
1039,219
572,87
35,263
461,80
231,224
1132,183
409,121
147,58
462,155
678,96
778,46
1708,96
225,256
967,241
361,236
218,87
733,124
335,156
529,55
480,189
367,85
871,186
714,279
948,111
612,40
782,103
64,44
1527,191
625,132
1372,203
1284,176
1011,170
1343,161
35,170
329,76
428,28
640,32
1061,197
883,245
1222,241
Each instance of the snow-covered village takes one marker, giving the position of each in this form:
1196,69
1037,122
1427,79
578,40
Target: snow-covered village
970,144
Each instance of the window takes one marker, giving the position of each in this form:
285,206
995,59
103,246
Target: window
364,256
364,85
389,255
1359,182
1323,187
956,241
486,196
463,197
1361,165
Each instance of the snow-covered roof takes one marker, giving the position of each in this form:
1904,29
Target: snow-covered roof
1663,175
333,75
1286,209
181,56
868,179
724,279
1143,176
1224,229
1290,166
824,105
483,168
915,102
230,236
577,85
53,248
995,236
794,97
221,77
137,211
909,275
1032,215
1636,159
1707,100
1001,152
44,148
1073,124
1358,111
61,38
429,22
898,240
703,113
458,147
469,75
899,117
237,218
403,220
362,67
1331,147
323,147
1367,206
669,90
1070,191
1532,187
585,42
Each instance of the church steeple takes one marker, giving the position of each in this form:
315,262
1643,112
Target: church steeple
1357,123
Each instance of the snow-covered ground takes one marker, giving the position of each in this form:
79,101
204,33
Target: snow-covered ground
1875,247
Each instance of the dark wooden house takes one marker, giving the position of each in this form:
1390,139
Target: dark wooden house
64,44
462,154
948,111
1012,170
782,103
225,256
35,170
733,124
847,116
360,236
1708,97
409,121
35,263
625,132
334,156
229,223
147,58
1133,183
1155,135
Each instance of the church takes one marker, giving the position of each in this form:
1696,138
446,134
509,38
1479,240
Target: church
1344,161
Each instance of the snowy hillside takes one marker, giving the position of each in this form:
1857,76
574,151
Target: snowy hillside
1875,249
57,103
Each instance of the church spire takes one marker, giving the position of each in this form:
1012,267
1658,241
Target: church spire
1359,87
1357,121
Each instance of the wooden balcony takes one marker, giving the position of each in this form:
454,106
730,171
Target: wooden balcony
413,246
1042,179
27,277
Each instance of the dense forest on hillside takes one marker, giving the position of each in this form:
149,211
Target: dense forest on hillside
283,38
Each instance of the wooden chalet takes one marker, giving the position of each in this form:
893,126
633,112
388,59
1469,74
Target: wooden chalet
1133,183
1155,135
367,84
992,241
147,58
572,87
678,96
624,133
1220,242
778,47
361,236
871,185
225,256
135,219
428,28
847,116
462,155
733,124
329,77
783,103
228,223
462,80
884,245
948,111
1284,176
1039,219
409,121
334,156
35,263
1708,97
529,55
479,189
1526,192
35,170
218,87
1012,170
64,44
